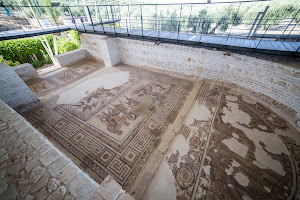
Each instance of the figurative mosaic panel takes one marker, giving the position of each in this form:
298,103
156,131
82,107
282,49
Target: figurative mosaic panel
114,131
68,75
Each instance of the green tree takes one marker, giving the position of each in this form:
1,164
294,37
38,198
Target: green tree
200,23
229,16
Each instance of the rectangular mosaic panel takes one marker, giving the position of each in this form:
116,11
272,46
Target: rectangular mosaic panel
114,131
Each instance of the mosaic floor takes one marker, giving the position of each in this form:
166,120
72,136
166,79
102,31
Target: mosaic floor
46,84
230,147
110,123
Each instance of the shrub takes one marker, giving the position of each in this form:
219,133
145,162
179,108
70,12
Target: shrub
8,62
21,49
31,50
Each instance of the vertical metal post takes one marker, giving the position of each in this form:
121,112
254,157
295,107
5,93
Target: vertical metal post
21,7
114,11
127,27
83,25
253,25
157,25
129,17
260,20
107,16
233,22
142,21
179,21
73,18
100,17
263,36
96,10
190,17
155,19
119,12
201,28
90,17
112,15
34,14
16,20
53,18
291,22
119,17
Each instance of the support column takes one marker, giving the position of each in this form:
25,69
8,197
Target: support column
110,52
102,48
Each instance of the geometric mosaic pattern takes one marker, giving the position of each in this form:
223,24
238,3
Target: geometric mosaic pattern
238,149
114,131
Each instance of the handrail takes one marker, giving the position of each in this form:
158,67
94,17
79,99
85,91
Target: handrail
177,19
151,4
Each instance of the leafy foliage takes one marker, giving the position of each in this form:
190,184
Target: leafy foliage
23,49
68,42
31,50
8,62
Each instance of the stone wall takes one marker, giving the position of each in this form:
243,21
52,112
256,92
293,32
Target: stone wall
70,57
93,44
25,71
14,91
32,168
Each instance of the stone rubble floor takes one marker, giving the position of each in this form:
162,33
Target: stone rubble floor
229,147
112,120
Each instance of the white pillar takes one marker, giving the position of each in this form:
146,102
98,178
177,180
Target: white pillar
110,52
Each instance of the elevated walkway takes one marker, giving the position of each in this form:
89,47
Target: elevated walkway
258,45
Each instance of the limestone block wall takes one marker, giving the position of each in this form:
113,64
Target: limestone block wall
13,90
278,81
32,168
25,71
93,44
71,57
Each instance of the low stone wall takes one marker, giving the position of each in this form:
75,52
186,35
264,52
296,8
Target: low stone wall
32,168
25,71
70,57
14,91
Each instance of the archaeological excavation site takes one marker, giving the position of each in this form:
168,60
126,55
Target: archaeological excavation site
146,100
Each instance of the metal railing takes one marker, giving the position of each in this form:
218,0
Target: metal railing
252,20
